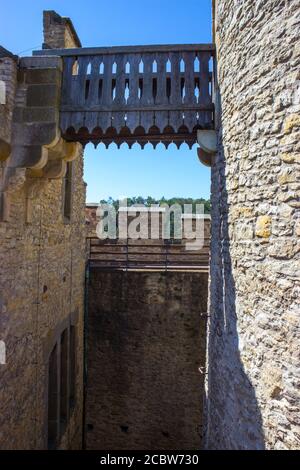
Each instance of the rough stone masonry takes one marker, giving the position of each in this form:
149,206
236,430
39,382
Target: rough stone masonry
145,345
253,388
42,255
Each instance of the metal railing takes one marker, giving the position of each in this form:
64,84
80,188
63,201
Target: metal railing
146,255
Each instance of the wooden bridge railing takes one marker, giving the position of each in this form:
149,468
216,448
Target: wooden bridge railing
136,93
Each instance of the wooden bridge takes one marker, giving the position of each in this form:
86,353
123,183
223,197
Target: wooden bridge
136,93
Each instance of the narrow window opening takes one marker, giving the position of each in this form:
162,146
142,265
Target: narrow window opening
114,68
101,68
100,89
168,66
182,66
89,69
140,92
126,92
141,67
196,65
197,90
64,402
154,88
127,67
154,67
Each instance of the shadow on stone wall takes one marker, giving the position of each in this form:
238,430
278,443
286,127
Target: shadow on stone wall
145,346
233,418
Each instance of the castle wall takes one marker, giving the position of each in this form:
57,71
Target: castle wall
42,260
253,349
146,342
42,289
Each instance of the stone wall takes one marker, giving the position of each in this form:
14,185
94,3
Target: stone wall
253,349
42,255
42,284
146,342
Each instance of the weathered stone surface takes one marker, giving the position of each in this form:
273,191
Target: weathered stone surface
42,258
59,32
263,226
42,283
253,361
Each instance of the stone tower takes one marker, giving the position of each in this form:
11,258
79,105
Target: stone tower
253,347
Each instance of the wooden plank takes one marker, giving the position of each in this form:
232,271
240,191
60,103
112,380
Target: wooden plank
189,79
167,107
204,96
160,105
118,117
147,99
161,97
104,118
119,100
133,117
94,81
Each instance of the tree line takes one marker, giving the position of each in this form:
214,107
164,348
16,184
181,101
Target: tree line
148,201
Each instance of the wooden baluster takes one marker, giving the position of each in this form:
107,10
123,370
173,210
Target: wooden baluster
175,117
161,117
161,97
79,89
204,96
147,100
190,117
118,116
92,99
134,61
104,117
67,84
120,81
108,61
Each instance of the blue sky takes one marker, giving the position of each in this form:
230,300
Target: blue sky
123,172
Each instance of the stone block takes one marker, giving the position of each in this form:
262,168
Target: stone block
42,95
42,76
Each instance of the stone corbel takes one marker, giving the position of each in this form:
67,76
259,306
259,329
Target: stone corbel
207,140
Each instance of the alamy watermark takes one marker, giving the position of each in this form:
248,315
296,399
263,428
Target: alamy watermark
152,222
